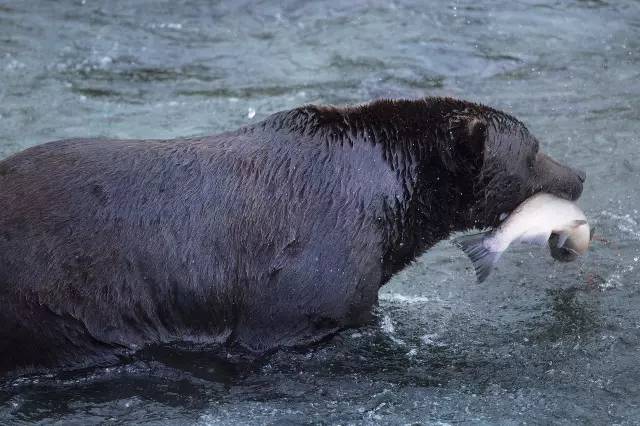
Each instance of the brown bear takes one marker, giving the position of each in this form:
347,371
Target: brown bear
277,234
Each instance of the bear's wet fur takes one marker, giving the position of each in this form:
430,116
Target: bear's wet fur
277,234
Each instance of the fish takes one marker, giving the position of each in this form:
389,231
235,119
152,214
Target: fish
542,219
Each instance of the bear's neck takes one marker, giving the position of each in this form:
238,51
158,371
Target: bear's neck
432,207
435,201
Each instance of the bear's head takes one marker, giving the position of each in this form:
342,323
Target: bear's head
460,165
504,162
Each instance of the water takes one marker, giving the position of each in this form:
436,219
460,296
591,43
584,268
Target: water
539,342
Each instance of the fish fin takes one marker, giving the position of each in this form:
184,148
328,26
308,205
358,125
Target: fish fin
482,258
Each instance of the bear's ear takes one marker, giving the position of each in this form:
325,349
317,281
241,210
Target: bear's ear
468,135
477,134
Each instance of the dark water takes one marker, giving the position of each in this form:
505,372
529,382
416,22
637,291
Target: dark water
539,342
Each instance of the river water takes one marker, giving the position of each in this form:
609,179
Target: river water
539,342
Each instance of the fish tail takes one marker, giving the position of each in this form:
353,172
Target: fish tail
482,258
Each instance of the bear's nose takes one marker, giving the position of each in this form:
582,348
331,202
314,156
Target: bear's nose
581,175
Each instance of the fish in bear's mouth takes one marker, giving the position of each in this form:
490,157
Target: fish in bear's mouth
542,219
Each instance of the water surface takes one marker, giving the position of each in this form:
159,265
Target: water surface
538,342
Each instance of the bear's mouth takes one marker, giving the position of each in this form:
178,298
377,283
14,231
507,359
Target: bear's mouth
566,196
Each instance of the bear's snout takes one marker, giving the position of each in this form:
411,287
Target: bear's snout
556,178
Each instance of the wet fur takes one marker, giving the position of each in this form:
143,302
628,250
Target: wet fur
277,234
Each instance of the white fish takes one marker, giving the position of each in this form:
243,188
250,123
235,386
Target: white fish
541,219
